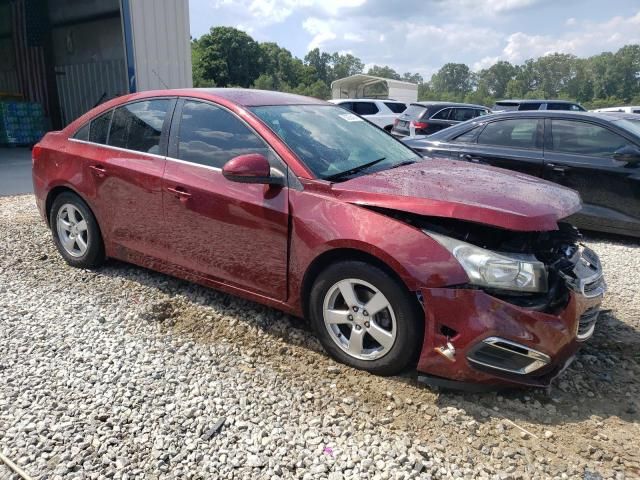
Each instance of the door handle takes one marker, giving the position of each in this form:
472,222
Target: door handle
99,170
470,158
179,193
558,168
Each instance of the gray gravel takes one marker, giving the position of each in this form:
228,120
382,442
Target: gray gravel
125,373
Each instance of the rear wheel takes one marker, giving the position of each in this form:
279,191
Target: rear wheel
75,231
365,318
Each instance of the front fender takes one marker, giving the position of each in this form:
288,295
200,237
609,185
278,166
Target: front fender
321,223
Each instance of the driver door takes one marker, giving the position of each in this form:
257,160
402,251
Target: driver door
580,155
233,233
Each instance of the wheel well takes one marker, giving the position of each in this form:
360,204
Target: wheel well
335,256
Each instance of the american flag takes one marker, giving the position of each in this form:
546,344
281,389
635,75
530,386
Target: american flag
30,24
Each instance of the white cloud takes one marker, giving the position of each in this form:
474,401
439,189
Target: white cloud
586,39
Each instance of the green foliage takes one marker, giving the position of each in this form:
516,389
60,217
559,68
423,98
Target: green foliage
229,57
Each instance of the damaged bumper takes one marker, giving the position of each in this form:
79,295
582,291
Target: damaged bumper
473,336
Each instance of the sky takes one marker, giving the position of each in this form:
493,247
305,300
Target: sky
422,35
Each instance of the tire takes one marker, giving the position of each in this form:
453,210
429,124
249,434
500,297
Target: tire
390,339
76,232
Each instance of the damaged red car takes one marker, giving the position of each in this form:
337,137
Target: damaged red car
466,273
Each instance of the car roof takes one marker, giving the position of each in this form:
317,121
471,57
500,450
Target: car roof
610,116
447,104
535,101
386,100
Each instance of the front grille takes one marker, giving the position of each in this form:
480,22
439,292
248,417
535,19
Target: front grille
587,323
500,354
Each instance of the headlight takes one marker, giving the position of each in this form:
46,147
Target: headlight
496,270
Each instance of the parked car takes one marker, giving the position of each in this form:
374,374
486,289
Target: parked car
526,105
633,109
425,118
380,112
292,202
596,154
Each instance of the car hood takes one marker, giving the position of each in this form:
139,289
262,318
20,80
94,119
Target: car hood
465,191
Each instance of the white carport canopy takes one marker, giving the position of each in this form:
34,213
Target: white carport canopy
356,86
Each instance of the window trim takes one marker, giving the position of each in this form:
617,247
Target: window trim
548,141
163,138
519,117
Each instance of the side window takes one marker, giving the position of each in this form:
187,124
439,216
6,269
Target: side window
461,114
480,112
442,114
209,135
82,133
584,138
518,133
365,108
396,107
99,128
138,126
466,137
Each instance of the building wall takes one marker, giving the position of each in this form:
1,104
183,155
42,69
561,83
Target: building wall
161,43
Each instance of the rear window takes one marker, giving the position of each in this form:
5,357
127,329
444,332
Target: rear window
636,111
415,111
396,107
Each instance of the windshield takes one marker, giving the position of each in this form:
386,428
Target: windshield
332,142
632,125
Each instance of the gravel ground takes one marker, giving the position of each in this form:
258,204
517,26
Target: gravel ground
125,373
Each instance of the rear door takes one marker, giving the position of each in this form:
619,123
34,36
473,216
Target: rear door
514,144
233,233
580,155
126,170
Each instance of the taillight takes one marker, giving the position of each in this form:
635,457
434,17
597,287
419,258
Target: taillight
421,125
36,151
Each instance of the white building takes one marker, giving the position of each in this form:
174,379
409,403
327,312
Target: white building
368,86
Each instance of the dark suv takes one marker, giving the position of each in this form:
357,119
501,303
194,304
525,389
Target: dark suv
520,105
430,117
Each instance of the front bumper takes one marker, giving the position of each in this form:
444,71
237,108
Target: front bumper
459,321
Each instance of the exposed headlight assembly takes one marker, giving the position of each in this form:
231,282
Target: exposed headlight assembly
486,268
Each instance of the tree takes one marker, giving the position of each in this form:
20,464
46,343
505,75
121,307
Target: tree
321,62
228,56
455,78
345,66
412,77
384,72
496,78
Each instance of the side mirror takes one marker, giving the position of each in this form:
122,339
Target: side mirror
629,154
252,168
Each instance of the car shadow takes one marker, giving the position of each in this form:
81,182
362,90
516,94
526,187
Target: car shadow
596,385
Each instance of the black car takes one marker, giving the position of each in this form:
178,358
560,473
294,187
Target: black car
520,105
597,154
431,117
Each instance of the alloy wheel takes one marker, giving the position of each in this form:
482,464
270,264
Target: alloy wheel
359,319
73,231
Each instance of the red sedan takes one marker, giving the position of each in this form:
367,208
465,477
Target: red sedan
464,272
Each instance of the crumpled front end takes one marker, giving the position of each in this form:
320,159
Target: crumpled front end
479,335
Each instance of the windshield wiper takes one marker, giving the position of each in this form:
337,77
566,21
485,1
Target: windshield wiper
406,162
354,170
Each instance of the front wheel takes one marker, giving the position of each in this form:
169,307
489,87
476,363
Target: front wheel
365,318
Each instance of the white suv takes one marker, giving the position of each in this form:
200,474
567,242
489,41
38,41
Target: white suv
381,112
